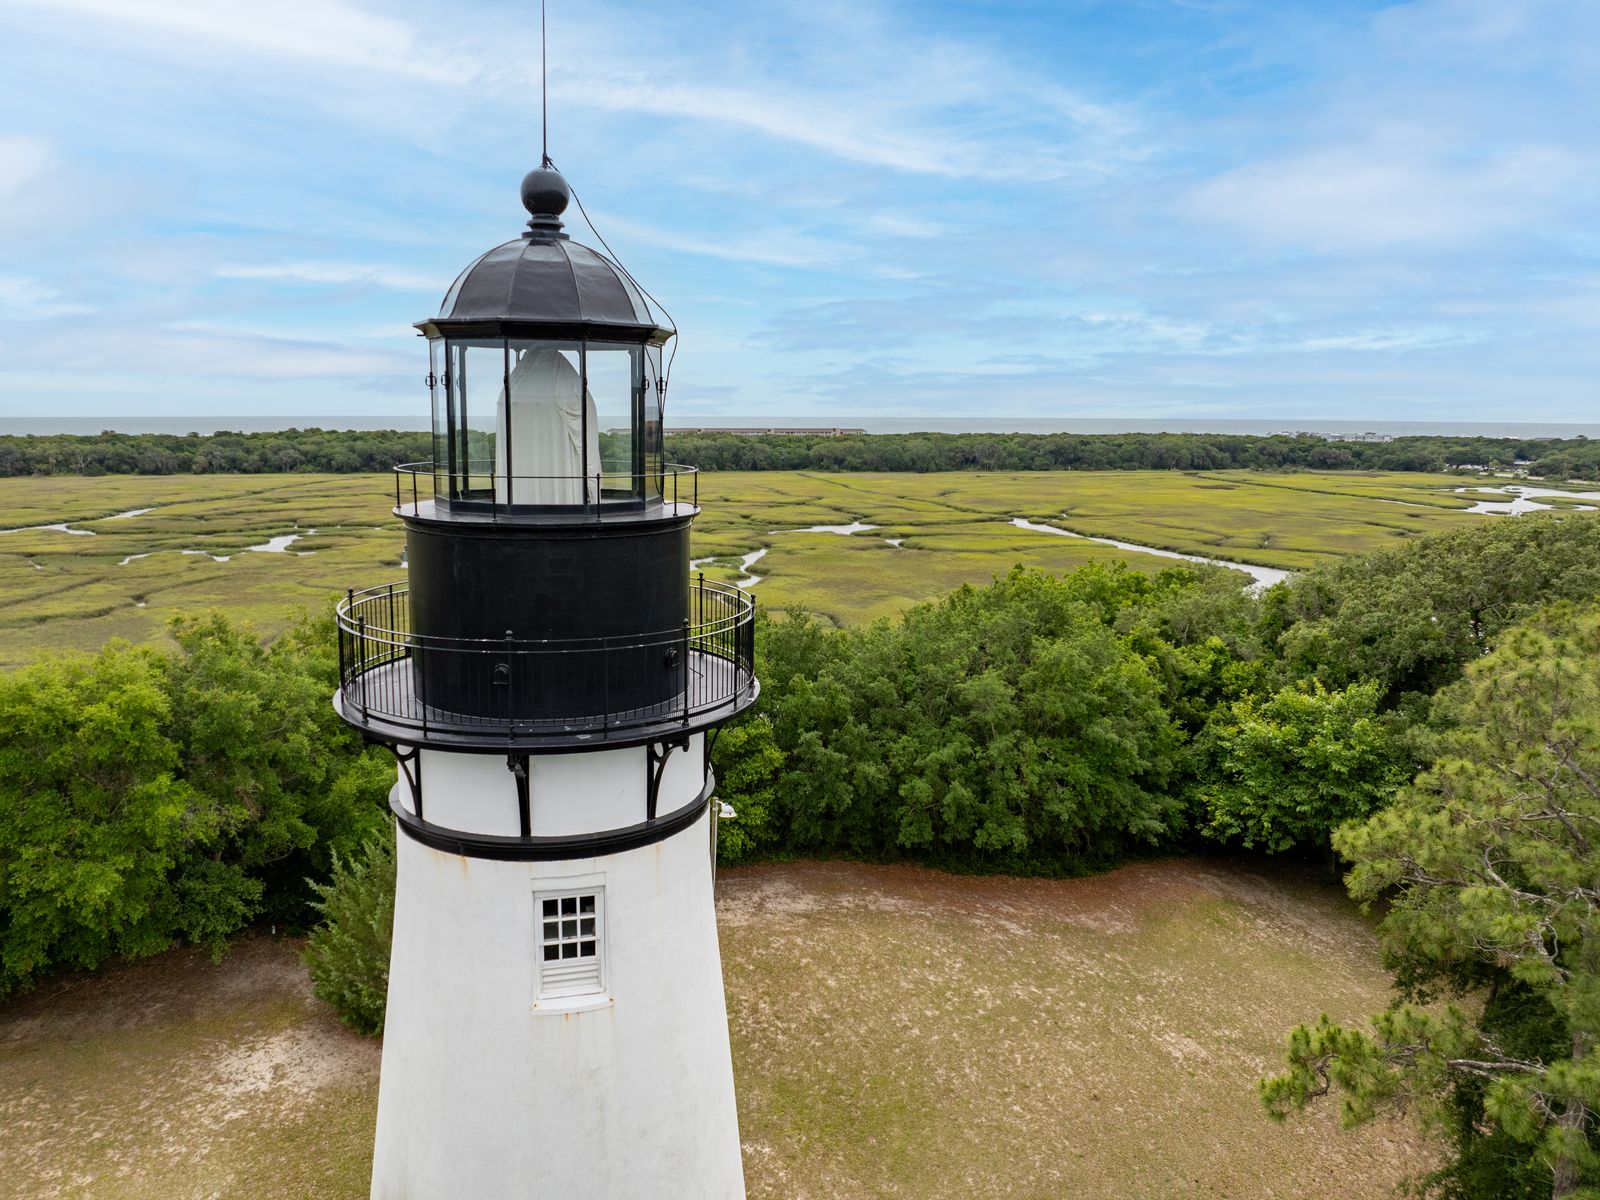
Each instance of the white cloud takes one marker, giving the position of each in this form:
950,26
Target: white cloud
330,273
327,32
1393,339
1476,22
22,298
774,248
902,225
788,119
22,161
211,352
1383,193
860,83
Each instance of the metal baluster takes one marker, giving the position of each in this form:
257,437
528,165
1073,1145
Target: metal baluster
749,657
684,658
419,659
361,661
511,687
349,607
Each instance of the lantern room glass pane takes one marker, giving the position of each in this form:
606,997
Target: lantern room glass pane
650,457
552,442
441,417
476,378
614,376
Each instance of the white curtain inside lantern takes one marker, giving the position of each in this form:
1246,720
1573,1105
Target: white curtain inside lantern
548,410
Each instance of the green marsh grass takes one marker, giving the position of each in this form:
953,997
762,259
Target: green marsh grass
65,591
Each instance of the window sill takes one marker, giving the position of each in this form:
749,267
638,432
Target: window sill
563,1005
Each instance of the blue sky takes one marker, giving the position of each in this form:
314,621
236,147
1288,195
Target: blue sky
1252,209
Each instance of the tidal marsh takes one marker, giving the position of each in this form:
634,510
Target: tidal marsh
65,590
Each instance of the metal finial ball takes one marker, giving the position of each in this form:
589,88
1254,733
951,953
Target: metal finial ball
545,193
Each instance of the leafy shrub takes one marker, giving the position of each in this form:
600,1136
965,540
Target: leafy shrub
1003,728
348,953
153,797
748,763
98,835
1414,617
1287,770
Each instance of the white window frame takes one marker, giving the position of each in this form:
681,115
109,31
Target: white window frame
564,981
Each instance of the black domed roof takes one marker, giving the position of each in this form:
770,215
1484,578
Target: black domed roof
556,281
545,278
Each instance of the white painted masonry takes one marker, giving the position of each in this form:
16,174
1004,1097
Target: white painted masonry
489,1093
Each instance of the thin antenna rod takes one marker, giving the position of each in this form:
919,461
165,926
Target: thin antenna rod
544,88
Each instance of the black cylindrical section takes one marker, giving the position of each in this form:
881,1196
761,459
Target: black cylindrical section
548,621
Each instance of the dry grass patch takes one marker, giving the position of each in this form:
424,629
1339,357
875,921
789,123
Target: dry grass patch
896,1032
176,1079
900,1032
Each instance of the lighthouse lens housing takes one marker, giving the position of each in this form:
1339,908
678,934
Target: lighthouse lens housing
545,423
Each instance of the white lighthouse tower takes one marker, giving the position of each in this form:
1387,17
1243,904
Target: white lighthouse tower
550,680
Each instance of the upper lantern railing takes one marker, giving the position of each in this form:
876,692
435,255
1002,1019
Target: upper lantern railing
480,489
398,679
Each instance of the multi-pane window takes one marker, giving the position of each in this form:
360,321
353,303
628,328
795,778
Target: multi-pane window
569,944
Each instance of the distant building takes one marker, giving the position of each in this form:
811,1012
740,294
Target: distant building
1333,437
774,431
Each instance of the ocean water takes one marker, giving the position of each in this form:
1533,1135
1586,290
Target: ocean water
419,420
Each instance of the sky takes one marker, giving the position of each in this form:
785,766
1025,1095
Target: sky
1243,209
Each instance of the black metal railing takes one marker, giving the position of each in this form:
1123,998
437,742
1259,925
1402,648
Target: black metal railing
391,675
479,489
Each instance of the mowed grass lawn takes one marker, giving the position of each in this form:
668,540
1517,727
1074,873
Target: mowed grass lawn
896,1032
124,576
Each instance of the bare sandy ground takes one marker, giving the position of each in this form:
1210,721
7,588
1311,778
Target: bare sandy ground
896,1032
904,1032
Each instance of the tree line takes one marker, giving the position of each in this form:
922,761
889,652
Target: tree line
318,451
1057,723
922,452
353,451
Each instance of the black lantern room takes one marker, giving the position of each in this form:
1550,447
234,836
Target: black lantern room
548,596
546,375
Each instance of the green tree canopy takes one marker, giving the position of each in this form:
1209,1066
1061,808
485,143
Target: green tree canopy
149,797
1412,618
1003,726
97,832
1492,858
1287,770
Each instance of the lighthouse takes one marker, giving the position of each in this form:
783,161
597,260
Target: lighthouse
551,681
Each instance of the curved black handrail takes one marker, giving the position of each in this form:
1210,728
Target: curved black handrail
392,677
481,489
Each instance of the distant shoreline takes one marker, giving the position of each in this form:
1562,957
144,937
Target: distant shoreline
45,426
